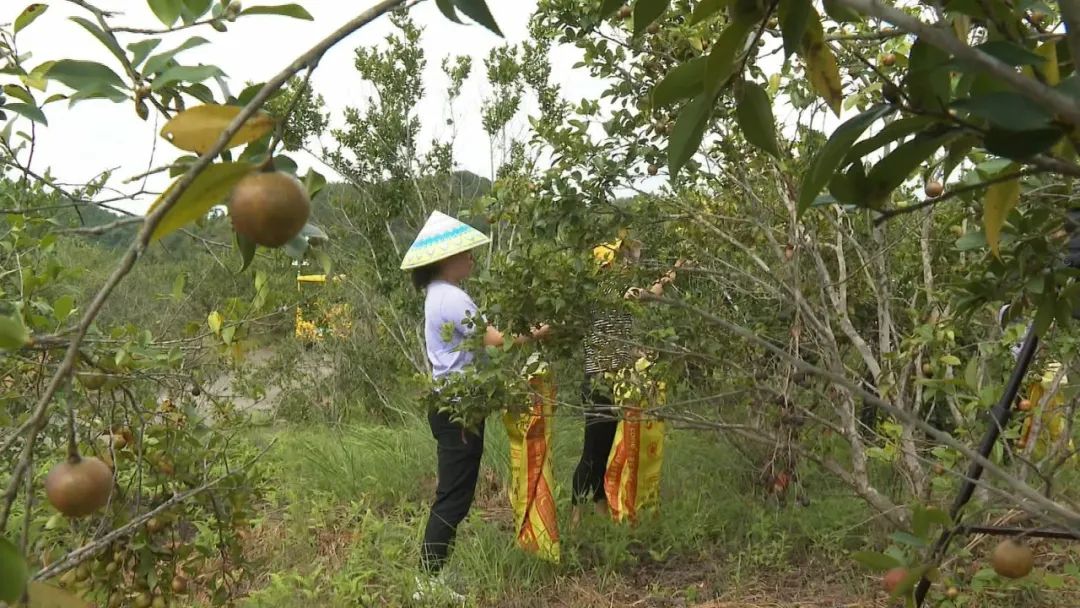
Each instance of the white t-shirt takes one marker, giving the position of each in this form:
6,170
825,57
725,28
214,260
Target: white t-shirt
446,303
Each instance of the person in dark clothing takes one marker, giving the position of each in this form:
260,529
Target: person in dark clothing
608,349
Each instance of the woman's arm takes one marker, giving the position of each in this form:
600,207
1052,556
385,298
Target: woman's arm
494,337
657,288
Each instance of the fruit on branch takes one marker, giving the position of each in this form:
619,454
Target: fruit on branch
893,578
952,593
654,28
1012,559
625,11
1025,405
934,189
79,486
269,208
653,169
179,584
888,60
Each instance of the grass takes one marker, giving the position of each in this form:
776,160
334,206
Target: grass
342,527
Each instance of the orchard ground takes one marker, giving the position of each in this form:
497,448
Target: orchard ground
341,523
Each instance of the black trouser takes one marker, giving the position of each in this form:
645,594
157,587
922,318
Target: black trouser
459,466
600,425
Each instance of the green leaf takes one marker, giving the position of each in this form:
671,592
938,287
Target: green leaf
840,13
159,62
722,59
1011,53
14,572
14,90
828,159
34,113
684,81
63,307
1020,145
893,131
898,165
448,10
107,40
84,75
314,182
927,81
167,11
285,10
1000,199
227,334
1006,110
688,132
971,376
755,117
29,15
876,561
794,17
210,188
706,9
952,360
193,9
246,247
821,66
609,7
647,11
178,287
141,50
185,73
13,333
478,11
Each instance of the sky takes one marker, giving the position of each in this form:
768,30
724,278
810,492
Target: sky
93,136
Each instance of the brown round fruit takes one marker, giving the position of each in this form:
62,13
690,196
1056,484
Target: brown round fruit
888,60
1012,560
78,487
893,578
939,469
143,600
934,189
159,602
625,12
179,584
269,208
154,525
1025,405
653,169
952,593
654,28
927,370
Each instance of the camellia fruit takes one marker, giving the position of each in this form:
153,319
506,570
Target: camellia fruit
269,208
79,486
1012,560
888,60
625,12
934,189
1025,405
893,578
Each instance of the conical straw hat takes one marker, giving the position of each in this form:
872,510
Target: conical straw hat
441,237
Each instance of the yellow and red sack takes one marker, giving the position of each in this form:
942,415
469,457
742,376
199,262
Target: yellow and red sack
531,481
632,479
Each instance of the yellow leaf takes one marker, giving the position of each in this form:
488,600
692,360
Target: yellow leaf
214,320
44,596
209,189
821,66
198,128
1050,69
1000,200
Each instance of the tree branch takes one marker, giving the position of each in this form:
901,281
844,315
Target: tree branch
944,39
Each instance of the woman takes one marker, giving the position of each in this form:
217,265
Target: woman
607,349
440,260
